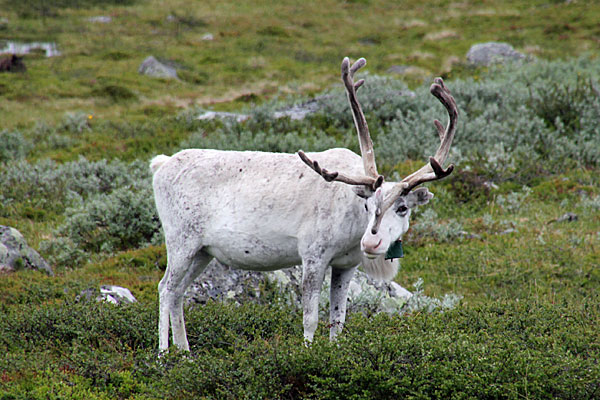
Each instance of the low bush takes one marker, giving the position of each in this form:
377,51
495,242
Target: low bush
503,135
506,350
115,93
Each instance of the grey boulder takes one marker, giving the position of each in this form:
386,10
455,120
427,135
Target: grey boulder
485,54
154,68
16,254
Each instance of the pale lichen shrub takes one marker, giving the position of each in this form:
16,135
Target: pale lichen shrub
75,122
591,203
267,139
106,223
13,146
515,201
368,300
420,302
427,223
110,208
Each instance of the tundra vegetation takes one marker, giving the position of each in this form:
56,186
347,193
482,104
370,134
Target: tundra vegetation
77,132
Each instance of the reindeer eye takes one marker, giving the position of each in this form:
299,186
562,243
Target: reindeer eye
402,210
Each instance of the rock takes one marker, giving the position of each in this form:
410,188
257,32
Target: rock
485,54
441,35
398,69
154,68
26,48
469,235
568,217
102,19
109,293
87,295
396,290
406,70
208,115
299,112
16,254
115,295
222,283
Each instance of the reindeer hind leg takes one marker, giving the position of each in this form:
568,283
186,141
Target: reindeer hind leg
181,272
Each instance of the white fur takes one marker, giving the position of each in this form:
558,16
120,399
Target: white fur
157,162
379,268
266,211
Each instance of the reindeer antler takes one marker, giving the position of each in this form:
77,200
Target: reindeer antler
433,170
372,183
372,179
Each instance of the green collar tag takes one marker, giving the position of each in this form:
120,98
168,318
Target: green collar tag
395,251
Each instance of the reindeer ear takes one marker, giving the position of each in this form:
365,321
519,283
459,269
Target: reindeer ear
379,197
418,197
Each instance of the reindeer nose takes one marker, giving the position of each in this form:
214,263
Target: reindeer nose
370,244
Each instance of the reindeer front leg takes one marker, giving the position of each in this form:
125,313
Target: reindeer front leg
313,272
338,296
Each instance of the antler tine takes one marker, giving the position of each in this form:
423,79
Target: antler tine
372,183
439,90
432,170
372,179
364,137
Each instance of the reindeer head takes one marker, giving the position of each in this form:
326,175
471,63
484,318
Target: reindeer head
389,204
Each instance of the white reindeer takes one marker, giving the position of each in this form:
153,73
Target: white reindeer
266,211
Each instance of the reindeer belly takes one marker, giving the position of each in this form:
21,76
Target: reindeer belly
246,251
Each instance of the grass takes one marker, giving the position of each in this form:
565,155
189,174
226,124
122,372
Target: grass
261,48
527,326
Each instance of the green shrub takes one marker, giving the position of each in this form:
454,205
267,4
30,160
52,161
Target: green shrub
560,105
75,122
115,93
109,205
502,351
